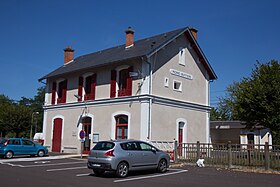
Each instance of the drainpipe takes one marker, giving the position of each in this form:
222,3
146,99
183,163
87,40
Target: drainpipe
150,98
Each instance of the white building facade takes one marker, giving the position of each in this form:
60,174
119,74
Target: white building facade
154,89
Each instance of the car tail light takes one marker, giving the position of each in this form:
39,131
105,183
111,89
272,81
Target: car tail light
109,153
6,142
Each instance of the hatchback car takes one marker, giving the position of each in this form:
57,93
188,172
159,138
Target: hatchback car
123,156
21,146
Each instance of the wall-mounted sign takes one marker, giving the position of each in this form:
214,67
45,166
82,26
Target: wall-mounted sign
181,74
95,137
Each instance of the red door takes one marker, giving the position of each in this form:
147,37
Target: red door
57,130
180,141
87,128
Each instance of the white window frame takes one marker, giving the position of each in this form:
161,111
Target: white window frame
180,87
166,82
182,56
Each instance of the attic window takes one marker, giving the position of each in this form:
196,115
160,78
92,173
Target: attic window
177,86
182,56
166,82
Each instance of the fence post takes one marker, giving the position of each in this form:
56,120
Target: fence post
266,156
229,154
197,150
175,151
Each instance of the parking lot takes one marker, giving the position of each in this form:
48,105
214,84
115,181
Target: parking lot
61,171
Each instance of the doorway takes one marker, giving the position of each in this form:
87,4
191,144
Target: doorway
57,131
86,121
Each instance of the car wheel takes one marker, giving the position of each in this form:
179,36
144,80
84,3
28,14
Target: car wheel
162,166
41,153
98,172
9,154
122,169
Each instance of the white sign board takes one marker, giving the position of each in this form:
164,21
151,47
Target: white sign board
181,74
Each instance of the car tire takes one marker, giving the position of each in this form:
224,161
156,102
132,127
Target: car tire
41,153
9,154
98,172
162,166
122,170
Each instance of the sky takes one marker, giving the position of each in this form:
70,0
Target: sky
233,34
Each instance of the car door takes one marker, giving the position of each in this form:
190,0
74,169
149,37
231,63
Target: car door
133,154
149,156
28,147
15,146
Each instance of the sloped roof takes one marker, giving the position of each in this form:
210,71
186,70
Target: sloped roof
141,48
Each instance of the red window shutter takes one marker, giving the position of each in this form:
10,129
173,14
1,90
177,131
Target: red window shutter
93,85
53,92
64,91
80,88
113,83
129,82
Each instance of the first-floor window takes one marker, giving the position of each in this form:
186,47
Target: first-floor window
121,127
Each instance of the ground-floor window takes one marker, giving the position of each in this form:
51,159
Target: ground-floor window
121,127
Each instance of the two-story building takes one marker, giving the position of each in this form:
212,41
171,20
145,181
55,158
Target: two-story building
156,88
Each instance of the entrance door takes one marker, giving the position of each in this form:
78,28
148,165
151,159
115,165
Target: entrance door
57,130
180,141
87,128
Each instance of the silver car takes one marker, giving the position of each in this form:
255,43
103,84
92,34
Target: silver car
122,156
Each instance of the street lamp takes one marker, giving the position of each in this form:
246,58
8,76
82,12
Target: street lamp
32,124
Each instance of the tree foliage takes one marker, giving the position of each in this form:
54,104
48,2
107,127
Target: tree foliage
256,99
17,118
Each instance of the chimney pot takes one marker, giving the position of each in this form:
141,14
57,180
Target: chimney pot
68,54
194,32
129,37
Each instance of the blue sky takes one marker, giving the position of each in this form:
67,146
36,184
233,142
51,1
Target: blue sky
33,33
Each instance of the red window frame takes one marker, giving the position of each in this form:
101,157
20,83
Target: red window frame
122,126
62,92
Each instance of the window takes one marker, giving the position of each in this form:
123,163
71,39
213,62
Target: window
182,56
166,82
90,84
121,127
104,146
61,91
130,146
145,147
177,85
121,83
27,142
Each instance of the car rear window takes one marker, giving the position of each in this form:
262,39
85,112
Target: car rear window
2,141
104,146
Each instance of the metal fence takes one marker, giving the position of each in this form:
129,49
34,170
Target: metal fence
230,155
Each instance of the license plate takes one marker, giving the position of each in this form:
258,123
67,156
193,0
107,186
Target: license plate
96,165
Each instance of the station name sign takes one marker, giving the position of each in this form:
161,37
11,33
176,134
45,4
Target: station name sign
181,74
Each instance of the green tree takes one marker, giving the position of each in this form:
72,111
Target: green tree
256,99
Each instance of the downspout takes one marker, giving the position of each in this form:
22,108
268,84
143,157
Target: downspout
150,98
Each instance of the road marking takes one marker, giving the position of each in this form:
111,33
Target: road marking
81,175
153,176
54,164
43,165
62,169
42,162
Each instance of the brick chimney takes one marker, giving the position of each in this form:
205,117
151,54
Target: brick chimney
194,32
129,37
68,54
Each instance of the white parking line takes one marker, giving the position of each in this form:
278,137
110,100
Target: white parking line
153,176
62,169
82,175
43,165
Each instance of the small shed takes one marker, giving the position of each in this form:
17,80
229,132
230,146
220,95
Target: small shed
237,133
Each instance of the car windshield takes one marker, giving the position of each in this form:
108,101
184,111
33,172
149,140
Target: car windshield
103,146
